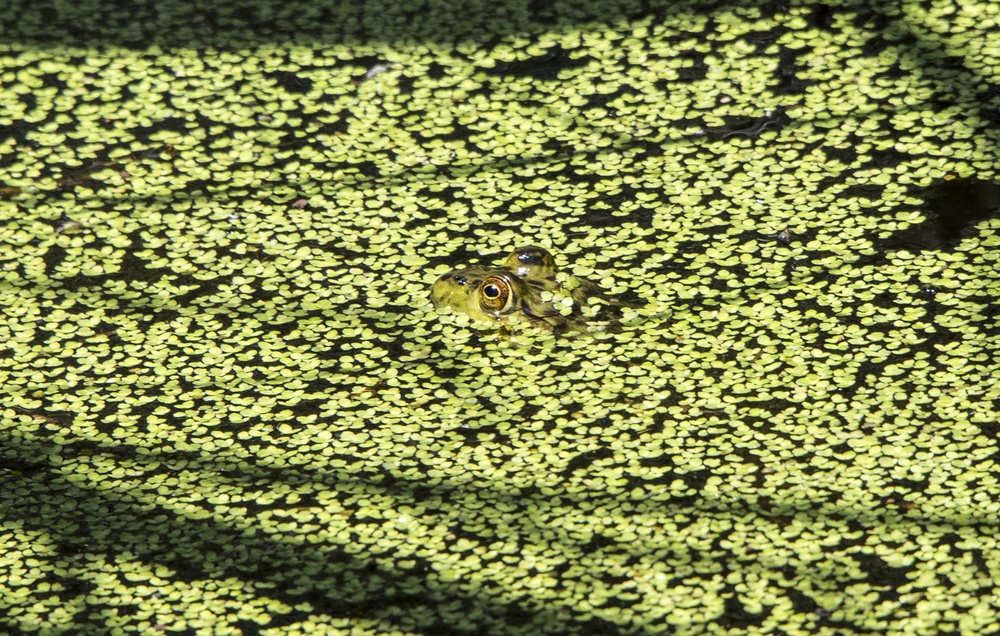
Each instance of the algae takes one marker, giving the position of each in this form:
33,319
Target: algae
228,406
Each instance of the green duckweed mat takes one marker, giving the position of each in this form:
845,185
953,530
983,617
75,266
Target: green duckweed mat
228,406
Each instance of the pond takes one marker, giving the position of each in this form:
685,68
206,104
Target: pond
230,406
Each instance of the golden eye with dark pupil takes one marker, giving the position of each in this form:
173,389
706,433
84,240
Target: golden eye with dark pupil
495,296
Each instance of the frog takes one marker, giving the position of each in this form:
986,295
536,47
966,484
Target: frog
528,286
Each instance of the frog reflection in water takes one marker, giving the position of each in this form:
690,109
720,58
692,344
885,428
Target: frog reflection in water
528,286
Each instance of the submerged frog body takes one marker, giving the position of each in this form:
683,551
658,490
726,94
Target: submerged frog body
526,286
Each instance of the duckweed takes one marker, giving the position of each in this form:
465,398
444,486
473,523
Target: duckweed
227,405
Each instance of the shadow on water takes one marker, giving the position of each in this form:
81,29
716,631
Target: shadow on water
81,519
139,24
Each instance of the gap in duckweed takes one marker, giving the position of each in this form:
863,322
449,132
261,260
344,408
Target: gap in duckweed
750,126
955,206
545,66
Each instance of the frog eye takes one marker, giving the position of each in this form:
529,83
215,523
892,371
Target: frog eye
495,295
